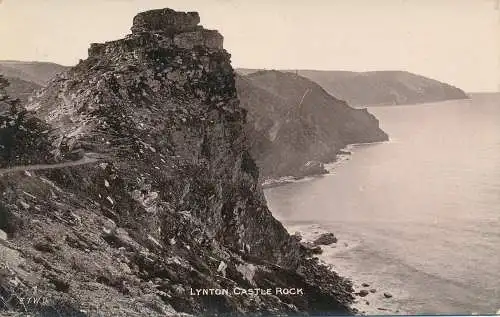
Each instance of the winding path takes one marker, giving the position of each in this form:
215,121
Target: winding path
88,158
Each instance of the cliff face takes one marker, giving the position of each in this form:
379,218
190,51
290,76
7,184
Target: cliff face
146,189
293,121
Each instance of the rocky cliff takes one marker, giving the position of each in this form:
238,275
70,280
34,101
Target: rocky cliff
295,125
380,87
142,189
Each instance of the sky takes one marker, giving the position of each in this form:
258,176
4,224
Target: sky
455,41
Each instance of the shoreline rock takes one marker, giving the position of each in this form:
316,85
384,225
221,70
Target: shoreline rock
363,293
325,239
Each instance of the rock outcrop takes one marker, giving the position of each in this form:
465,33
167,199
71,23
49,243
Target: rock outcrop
325,239
295,125
360,89
170,202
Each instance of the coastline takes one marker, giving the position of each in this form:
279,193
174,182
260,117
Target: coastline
341,156
367,302
412,104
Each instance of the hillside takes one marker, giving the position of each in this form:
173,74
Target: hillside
36,72
21,89
128,185
380,87
298,124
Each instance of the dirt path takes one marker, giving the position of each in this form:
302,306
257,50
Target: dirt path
85,160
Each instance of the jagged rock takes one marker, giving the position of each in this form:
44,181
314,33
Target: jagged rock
387,295
325,239
170,194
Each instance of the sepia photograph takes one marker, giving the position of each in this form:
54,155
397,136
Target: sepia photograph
249,158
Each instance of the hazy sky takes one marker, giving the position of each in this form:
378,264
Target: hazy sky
457,41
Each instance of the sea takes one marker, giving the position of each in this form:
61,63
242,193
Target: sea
418,217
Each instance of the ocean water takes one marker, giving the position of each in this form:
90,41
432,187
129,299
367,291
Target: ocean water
417,217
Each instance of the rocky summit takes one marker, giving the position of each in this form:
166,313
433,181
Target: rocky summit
141,196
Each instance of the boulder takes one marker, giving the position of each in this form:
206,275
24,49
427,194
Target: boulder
325,239
362,293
